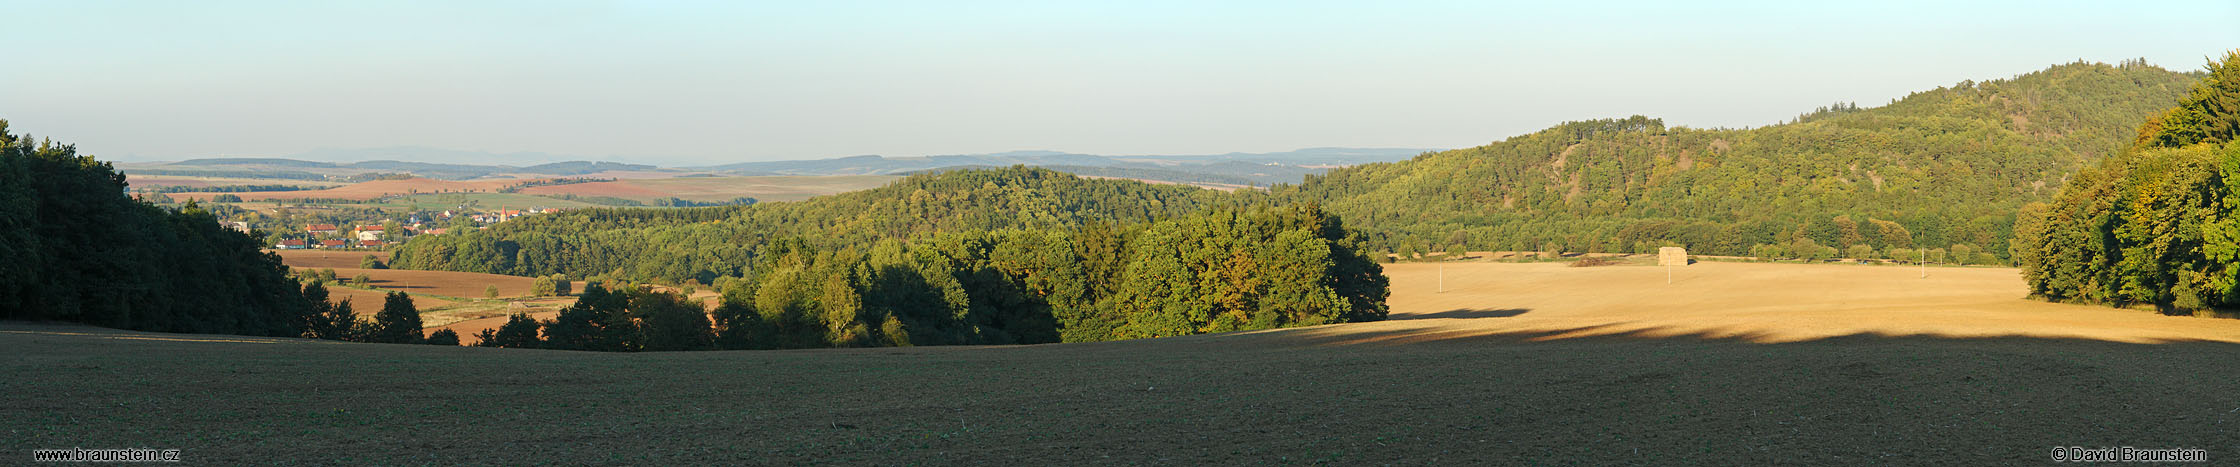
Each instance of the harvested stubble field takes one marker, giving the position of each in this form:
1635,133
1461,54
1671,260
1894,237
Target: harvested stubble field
1513,364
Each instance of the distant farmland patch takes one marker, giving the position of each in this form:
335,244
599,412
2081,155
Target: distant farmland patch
445,298
143,182
370,190
761,188
327,258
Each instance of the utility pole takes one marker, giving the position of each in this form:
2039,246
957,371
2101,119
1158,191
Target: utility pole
1442,277
1924,262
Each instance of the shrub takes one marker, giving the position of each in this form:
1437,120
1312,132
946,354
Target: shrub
671,322
519,332
370,262
1595,261
1985,258
444,337
1963,254
486,338
398,322
490,291
332,321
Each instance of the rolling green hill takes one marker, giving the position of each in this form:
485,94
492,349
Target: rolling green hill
1936,168
701,244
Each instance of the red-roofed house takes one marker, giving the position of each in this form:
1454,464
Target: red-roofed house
292,245
369,232
333,244
321,229
371,244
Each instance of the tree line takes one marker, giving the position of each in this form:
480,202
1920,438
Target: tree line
75,247
1223,269
2155,225
398,321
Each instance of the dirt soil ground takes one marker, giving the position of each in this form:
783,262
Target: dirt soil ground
1515,364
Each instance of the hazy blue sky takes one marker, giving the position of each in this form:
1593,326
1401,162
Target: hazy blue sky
677,82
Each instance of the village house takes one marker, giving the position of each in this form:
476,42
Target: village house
292,245
321,229
369,232
333,244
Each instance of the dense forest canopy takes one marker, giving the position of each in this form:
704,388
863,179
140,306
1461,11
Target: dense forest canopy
1219,270
74,247
702,244
2155,225
1008,256
1937,168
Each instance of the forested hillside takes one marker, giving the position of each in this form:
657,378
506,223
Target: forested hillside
1938,168
702,244
1005,256
2155,225
73,247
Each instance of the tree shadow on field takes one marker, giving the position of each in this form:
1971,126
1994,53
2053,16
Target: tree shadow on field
1467,313
1627,332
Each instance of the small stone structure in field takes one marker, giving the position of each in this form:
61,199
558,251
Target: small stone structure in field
1672,256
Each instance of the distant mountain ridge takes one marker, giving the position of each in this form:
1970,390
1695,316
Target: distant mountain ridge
1236,168
1232,168
267,167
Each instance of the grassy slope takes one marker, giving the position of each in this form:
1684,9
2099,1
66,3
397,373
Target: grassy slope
1550,388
